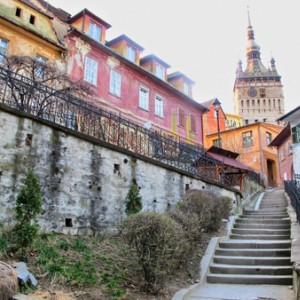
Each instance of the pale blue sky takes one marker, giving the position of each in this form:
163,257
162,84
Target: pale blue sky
204,39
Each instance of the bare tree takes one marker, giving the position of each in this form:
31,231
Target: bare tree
35,86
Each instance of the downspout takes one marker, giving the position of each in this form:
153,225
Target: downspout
261,154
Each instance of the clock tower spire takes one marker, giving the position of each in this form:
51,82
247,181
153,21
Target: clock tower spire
258,95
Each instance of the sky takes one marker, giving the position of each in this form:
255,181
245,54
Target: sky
204,39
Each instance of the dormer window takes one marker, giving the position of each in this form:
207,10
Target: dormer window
185,88
130,53
32,19
18,12
159,71
94,31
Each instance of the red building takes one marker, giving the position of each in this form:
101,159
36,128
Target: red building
283,143
134,87
212,117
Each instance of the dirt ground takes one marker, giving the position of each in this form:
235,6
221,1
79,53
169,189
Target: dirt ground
48,290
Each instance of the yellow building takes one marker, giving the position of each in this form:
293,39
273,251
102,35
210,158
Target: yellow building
233,121
27,31
251,142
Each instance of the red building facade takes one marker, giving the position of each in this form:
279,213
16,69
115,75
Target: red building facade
136,88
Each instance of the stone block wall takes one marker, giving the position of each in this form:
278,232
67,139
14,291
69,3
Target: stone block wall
84,183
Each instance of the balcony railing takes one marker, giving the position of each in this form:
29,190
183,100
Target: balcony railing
62,108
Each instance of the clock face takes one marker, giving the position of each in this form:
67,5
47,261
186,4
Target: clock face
252,92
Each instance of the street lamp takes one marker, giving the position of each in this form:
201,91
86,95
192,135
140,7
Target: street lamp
217,105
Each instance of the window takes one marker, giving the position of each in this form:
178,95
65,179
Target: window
130,53
39,70
247,139
193,123
289,148
18,12
181,117
94,32
115,83
90,71
268,137
246,122
159,71
159,106
296,134
32,19
186,88
216,143
144,98
3,49
262,93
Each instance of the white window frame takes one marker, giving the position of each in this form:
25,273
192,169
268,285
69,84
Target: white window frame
3,49
159,106
144,98
115,83
159,71
40,71
95,31
90,70
130,53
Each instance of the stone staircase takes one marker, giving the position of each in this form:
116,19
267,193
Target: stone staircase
258,249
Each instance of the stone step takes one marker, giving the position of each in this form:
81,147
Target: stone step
255,216
261,231
250,279
259,237
263,221
251,270
259,226
265,210
252,261
254,244
253,252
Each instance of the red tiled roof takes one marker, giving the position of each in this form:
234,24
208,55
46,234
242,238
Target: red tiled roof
231,162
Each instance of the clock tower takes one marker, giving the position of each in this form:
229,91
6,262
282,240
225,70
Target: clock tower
258,93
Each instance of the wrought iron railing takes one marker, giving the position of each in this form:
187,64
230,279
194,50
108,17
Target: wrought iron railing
62,108
292,188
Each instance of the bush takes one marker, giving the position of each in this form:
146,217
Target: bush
28,206
209,208
190,225
159,244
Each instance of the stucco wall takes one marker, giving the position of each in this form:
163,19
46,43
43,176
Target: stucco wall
82,182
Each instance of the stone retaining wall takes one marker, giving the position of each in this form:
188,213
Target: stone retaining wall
84,183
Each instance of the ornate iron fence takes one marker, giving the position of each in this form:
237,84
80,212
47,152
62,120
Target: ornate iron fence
292,188
62,108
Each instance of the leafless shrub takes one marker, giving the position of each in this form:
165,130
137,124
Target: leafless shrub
159,245
209,208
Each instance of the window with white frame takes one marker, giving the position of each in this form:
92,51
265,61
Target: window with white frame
159,71
144,98
94,31
130,53
3,49
159,106
90,70
39,70
193,122
115,83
